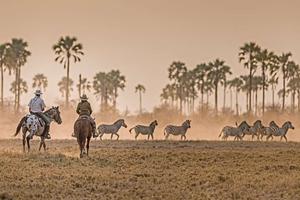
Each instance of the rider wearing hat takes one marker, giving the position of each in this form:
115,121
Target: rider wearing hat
36,107
84,109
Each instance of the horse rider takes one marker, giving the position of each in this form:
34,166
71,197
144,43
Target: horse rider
36,107
84,109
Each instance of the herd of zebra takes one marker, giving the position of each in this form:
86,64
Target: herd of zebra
143,130
257,130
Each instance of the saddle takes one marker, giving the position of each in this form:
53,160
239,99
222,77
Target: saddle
41,121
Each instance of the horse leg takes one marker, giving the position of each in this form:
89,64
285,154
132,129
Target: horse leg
184,137
28,145
111,136
117,136
24,141
88,146
152,136
285,138
101,136
41,144
148,136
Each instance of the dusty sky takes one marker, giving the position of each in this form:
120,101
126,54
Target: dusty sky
142,38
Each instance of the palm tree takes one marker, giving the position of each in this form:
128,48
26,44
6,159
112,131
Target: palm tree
266,59
140,89
117,82
103,88
176,75
283,60
40,81
217,74
247,55
83,85
273,82
3,63
293,74
236,83
17,57
257,84
200,73
169,93
63,85
23,88
66,49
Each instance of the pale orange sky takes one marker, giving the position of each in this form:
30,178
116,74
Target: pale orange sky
142,38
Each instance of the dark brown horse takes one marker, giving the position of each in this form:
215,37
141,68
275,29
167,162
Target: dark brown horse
83,132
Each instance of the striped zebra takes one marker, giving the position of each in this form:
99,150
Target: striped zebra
280,131
144,130
177,130
273,127
110,129
255,130
236,132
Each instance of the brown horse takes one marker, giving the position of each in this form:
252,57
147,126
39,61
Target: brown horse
83,132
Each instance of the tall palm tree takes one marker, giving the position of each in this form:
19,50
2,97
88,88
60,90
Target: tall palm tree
236,83
117,82
17,53
266,60
283,60
103,88
257,84
217,74
140,89
40,81
247,55
293,74
176,75
23,88
200,73
67,49
63,85
273,82
3,63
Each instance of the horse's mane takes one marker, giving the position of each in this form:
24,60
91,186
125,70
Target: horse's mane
285,123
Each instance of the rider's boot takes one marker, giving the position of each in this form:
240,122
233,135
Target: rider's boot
46,132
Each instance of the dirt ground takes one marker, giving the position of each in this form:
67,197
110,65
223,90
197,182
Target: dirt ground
151,170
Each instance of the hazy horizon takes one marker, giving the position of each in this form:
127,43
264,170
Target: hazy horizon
141,38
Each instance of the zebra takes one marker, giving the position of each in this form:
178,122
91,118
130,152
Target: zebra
177,130
265,130
280,131
144,130
255,130
238,132
110,129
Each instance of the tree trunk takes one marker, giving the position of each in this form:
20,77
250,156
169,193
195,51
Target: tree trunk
237,102
79,88
273,97
19,89
224,97
216,98
250,88
140,94
283,94
2,86
263,91
68,77
256,105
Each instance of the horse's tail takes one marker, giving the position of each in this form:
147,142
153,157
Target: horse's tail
20,125
165,131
